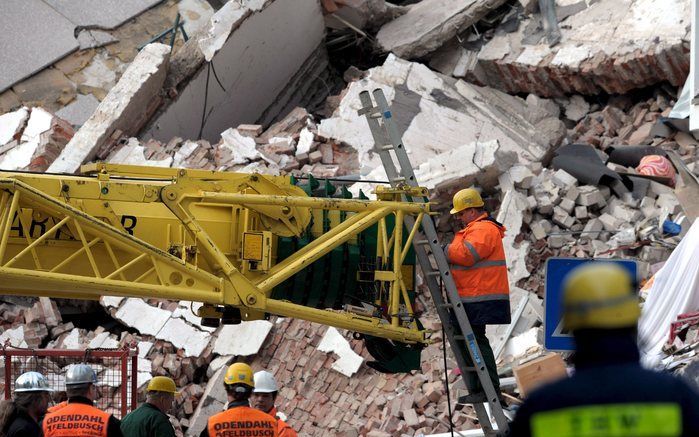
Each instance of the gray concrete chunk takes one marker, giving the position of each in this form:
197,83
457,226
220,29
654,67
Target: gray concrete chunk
33,37
431,23
107,14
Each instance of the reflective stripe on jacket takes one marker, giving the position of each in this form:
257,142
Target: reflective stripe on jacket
477,260
76,420
242,421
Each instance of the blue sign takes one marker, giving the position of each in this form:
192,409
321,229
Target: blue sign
555,337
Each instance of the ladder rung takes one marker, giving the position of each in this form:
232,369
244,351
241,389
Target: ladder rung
422,242
433,273
398,179
387,147
445,305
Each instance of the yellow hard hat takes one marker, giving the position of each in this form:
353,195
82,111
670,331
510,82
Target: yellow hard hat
162,383
239,373
599,295
466,198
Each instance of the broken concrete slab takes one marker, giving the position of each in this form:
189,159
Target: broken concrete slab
429,24
612,46
79,110
126,108
50,39
434,114
107,14
514,204
348,362
243,339
293,33
139,315
184,336
479,163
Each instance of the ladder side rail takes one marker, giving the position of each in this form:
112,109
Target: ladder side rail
388,129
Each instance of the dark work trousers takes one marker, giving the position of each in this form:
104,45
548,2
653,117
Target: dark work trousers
488,358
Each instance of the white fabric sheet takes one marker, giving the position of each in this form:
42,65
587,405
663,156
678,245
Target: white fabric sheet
675,291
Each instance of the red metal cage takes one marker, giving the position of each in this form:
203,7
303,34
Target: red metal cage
116,369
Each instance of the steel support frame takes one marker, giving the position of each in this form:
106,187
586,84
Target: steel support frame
169,277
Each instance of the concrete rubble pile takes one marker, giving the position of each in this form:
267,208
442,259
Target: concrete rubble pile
460,128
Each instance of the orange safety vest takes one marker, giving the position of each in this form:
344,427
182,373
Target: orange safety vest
477,260
57,407
76,420
242,422
283,428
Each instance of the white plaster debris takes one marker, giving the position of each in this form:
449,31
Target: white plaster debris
103,340
220,27
520,345
124,108
15,337
111,301
99,74
512,207
348,362
72,340
139,315
184,152
21,156
132,153
478,163
439,116
305,142
243,339
242,148
184,336
11,123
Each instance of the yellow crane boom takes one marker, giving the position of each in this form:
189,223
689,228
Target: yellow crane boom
197,235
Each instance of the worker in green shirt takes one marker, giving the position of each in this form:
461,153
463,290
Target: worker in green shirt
150,419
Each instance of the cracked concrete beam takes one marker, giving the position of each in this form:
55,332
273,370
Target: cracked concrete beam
126,107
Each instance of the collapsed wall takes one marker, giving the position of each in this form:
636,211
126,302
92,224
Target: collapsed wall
239,67
611,46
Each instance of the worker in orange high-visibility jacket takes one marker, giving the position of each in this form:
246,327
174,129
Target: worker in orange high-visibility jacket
240,420
78,417
477,261
263,397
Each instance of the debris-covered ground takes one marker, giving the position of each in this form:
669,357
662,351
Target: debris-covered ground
556,126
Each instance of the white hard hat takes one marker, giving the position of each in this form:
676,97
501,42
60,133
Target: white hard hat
265,382
31,382
80,374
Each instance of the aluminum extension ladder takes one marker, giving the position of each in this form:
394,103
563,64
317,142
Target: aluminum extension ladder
433,262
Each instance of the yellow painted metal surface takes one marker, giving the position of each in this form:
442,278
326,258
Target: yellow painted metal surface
188,235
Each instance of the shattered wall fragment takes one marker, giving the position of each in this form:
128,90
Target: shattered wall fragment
249,68
126,108
611,46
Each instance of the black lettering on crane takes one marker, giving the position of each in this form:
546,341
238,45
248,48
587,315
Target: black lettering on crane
128,222
42,226
18,227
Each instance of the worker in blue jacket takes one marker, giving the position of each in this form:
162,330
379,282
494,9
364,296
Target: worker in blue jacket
610,395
